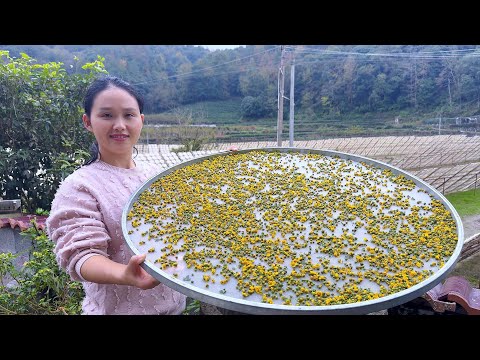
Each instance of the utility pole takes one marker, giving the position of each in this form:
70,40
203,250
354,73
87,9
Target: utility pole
147,130
281,86
292,102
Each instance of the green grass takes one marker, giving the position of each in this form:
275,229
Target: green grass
466,202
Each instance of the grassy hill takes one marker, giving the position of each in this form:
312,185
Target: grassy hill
231,127
222,112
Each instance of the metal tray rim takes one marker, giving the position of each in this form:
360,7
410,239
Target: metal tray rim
251,307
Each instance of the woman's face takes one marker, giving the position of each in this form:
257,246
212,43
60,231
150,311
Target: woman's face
116,122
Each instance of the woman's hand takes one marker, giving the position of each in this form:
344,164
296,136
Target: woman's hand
102,270
137,276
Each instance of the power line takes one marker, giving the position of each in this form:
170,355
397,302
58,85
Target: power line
206,68
471,52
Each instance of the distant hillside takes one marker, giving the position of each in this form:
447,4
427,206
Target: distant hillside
331,82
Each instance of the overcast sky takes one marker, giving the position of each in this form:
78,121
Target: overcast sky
221,47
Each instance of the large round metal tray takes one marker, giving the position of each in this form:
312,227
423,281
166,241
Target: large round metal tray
234,301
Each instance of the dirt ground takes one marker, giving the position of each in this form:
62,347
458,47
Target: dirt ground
471,225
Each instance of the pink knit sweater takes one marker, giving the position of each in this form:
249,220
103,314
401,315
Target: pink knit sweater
85,220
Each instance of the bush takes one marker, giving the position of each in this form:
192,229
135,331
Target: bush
256,107
40,128
40,286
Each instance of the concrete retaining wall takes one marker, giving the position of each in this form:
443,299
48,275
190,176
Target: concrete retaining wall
12,241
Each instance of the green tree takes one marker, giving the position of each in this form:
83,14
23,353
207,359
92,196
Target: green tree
257,107
41,134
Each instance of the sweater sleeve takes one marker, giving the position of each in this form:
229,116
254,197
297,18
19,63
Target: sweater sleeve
76,226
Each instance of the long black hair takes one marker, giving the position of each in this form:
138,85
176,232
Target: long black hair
96,87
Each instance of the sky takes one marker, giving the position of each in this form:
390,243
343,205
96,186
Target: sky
220,47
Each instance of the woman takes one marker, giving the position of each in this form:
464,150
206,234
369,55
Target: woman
84,220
